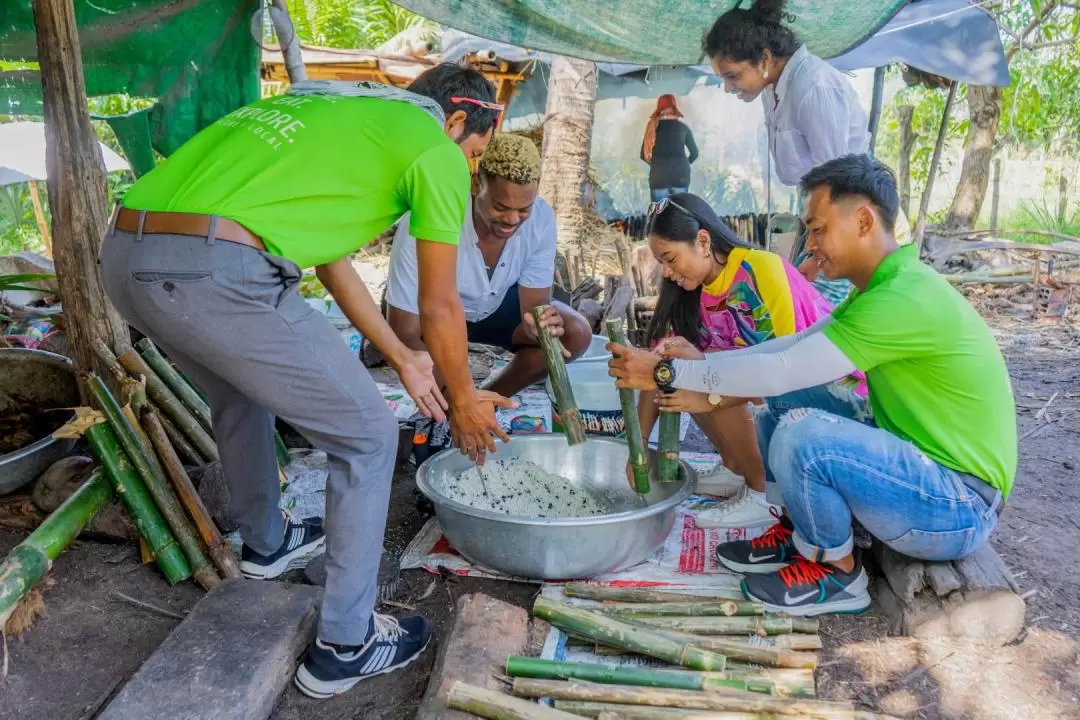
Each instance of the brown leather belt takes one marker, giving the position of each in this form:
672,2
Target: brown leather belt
174,223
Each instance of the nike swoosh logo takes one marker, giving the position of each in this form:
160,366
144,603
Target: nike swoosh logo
788,600
758,558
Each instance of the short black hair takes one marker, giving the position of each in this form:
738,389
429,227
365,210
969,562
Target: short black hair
858,175
450,80
744,35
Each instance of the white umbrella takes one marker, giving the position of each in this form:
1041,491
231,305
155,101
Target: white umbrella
22,153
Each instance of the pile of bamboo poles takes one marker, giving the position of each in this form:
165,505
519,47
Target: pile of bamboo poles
719,663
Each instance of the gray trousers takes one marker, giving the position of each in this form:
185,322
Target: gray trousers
232,319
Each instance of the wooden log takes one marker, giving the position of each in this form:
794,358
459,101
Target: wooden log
601,628
609,593
942,578
906,576
985,570
485,631
218,549
716,699
77,189
496,706
726,608
767,625
569,415
172,378
639,460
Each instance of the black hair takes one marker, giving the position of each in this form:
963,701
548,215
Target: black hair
858,175
744,35
677,310
450,80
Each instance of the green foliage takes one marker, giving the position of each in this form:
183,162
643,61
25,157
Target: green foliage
10,283
1043,216
18,228
350,23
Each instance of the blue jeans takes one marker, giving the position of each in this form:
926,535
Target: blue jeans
659,194
832,466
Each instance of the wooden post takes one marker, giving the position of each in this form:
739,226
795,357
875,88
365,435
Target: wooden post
289,42
39,215
995,196
1063,199
77,190
875,106
924,205
903,165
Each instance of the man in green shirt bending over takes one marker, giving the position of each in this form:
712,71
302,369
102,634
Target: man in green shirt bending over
205,258
928,474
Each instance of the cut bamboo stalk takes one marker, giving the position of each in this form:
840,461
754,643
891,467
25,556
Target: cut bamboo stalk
191,399
165,399
770,681
31,559
740,651
219,550
716,699
639,460
667,447
723,608
569,415
719,643
496,706
280,450
644,677
140,505
180,443
601,628
767,625
146,464
611,711
607,593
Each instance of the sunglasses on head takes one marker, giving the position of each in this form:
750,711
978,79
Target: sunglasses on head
497,107
655,208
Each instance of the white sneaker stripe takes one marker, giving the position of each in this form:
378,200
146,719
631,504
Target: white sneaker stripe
377,660
387,657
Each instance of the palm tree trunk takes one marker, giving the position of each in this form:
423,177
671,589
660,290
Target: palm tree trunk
565,166
984,110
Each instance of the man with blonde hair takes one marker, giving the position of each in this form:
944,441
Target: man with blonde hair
505,267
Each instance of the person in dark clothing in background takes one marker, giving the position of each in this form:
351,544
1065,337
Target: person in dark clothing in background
665,146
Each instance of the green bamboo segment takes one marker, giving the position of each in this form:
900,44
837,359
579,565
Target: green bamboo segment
726,608
569,415
146,463
612,711
280,450
667,447
494,705
609,631
766,625
171,405
176,383
639,460
608,593
645,677
30,560
140,505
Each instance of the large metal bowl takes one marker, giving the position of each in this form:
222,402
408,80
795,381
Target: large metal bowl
559,548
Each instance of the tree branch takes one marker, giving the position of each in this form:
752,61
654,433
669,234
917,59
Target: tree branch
1052,43
1038,20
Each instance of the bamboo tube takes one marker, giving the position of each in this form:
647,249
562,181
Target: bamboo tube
171,405
149,469
720,643
643,677
280,450
768,625
716,699
140,505
569,415
742,652
31,559
184,448
601,628
607,593
770,681
639,460
177,384
219,550
611,711
496,706
725,608
667,447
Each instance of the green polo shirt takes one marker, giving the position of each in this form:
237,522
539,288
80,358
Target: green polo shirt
317,177
936,376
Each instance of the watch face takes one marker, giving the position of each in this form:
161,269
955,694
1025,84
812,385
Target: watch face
663,374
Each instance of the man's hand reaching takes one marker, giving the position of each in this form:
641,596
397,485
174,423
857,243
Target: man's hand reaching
474,426
418,376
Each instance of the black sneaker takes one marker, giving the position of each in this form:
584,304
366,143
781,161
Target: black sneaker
304,539
330,670
810,588
765,554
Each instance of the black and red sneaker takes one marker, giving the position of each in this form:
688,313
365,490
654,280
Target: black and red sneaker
810,588
768,553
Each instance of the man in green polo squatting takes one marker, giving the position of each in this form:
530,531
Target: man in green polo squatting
928,475
205,258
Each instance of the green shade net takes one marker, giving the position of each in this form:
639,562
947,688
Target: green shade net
133,134
196,57
646,32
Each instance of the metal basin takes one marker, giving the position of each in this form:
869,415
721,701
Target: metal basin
37,379
559,548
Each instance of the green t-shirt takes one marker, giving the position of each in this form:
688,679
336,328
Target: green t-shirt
936,376
317,177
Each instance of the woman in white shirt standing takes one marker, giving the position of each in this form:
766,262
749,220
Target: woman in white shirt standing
811,110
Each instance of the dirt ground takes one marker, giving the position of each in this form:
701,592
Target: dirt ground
92,638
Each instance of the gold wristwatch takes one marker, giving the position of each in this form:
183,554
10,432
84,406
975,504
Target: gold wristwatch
715,400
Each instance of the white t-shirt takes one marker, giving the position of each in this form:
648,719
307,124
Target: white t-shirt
528,259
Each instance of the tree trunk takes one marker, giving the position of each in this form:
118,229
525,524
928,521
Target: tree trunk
565,165
77,190
903,164
984,110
